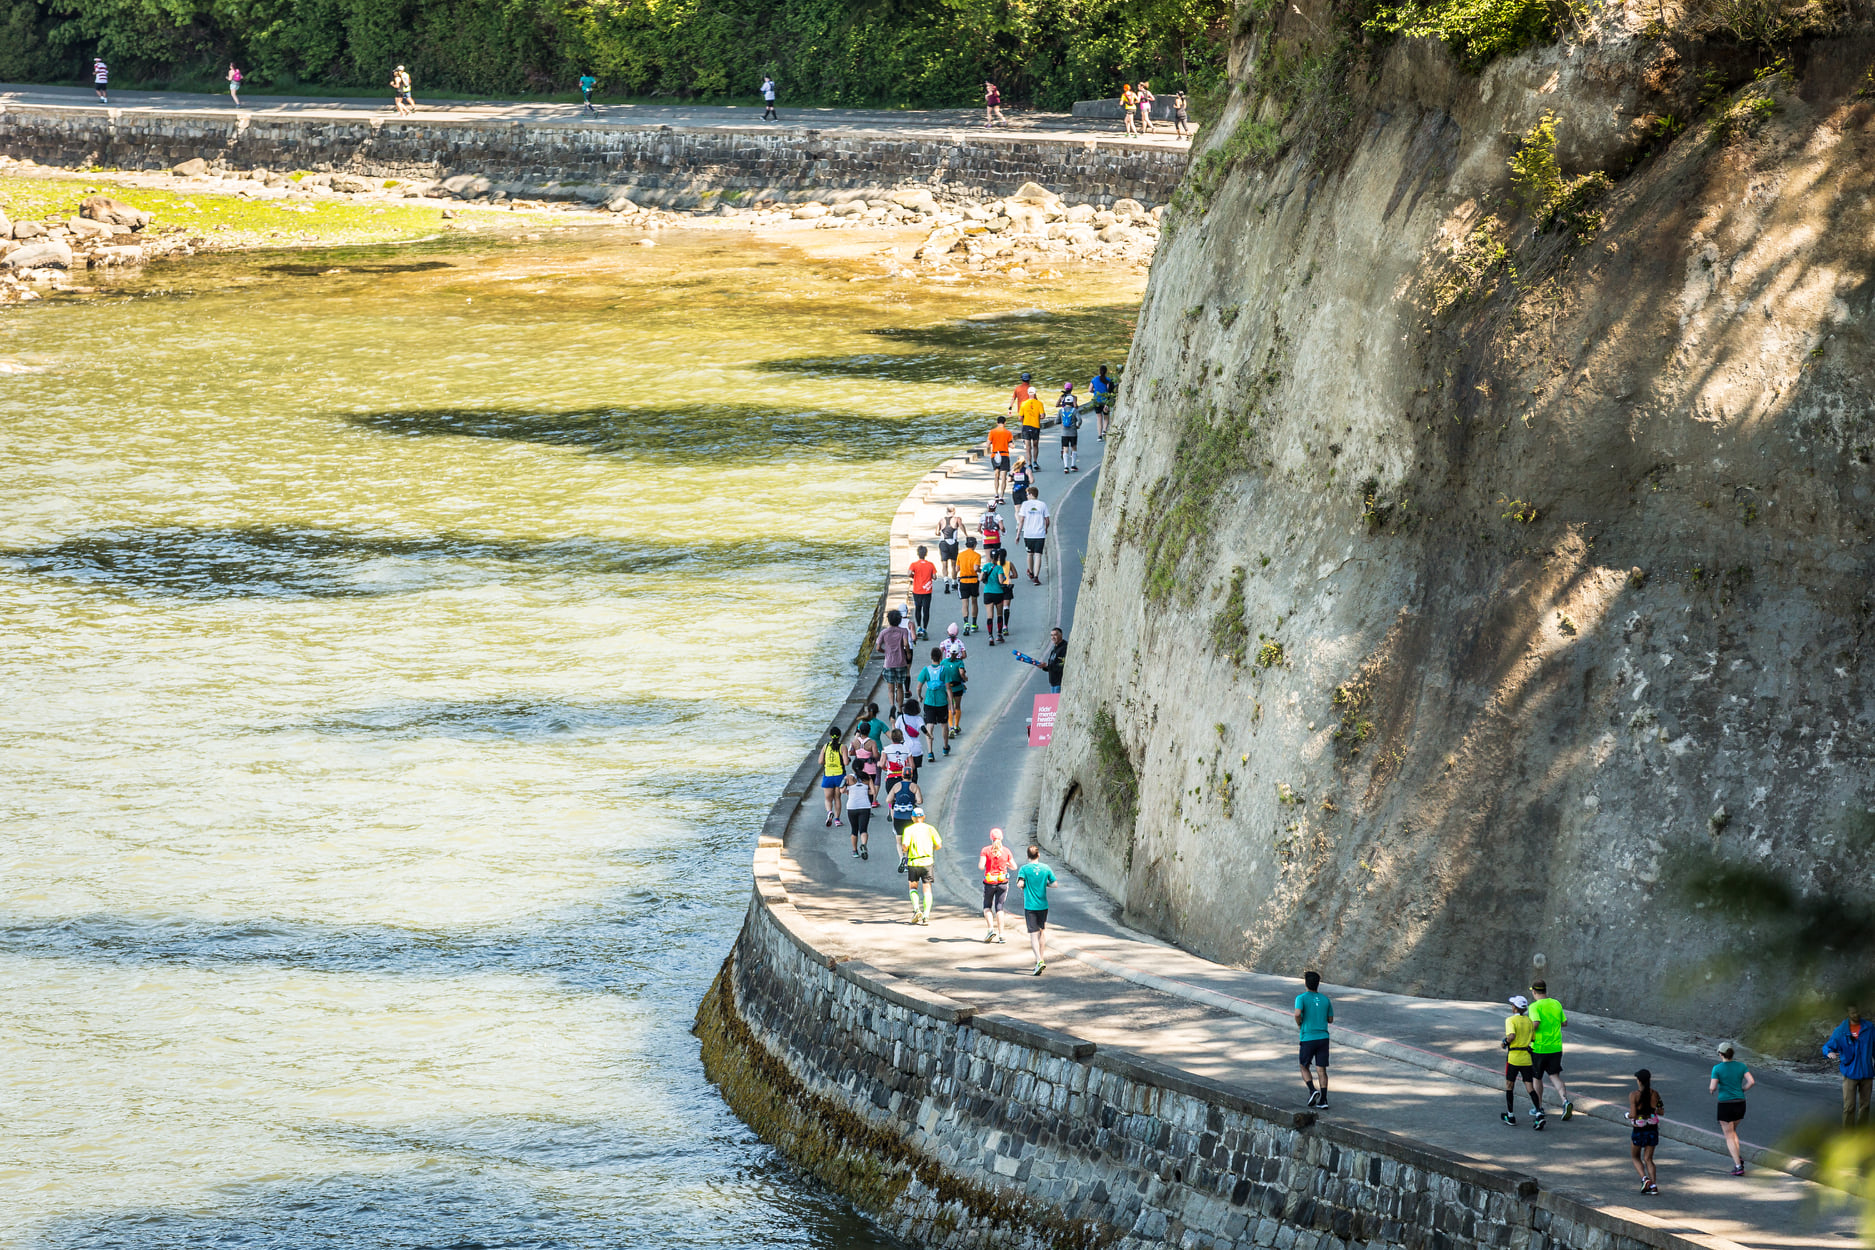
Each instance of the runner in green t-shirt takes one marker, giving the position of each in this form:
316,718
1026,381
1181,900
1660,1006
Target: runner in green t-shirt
1314,1013
1035,877
1546,1046
935,692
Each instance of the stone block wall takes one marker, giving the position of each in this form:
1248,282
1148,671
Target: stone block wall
659,163
958,1128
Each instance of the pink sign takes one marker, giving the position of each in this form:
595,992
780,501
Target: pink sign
1042,721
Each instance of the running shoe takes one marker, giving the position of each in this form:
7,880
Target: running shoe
1313,1095
1321,1102
1508,1118
999,937
1039,967
1537,1122
989,935
1653,1187
855,854
932,759
1738,1170
865,852
947,748
838,823
1568,1111
829,822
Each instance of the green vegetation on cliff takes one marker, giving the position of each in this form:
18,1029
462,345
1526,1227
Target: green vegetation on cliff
892,52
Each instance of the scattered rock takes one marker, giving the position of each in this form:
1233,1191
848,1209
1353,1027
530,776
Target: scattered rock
1080,213
1034,193
195,167
809,211
1027,217
38,256
24,230
448,213
621,204
1131,208
129,254
84,228
918,201
997,225
647,243
349,185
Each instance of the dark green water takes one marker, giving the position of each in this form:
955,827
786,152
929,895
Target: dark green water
398,661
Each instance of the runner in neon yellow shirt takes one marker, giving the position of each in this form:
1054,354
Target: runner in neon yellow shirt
919,844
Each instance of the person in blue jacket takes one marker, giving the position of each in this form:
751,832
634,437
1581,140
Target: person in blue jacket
1852,1045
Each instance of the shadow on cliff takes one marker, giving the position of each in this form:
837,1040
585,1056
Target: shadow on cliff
287,562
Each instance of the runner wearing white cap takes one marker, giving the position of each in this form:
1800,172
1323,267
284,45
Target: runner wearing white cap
1518,1030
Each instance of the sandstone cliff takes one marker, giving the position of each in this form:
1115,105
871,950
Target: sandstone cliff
1473,549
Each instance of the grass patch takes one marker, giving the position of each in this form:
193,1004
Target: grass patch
226,220
1230,632
1119,782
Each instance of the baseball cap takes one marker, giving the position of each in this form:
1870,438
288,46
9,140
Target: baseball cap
996,833
1519,1002
1028,377
953,629
917,811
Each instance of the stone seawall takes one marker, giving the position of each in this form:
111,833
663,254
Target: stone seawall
660,164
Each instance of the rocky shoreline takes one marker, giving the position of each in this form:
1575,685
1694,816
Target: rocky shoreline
965,231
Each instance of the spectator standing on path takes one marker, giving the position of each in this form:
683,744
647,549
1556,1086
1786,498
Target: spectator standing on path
832,774
923,573
1068,409
1644,1107
768,100
997,863
859,805
969,580
234,84
1055,659
586,83
1314,1013
894,643
1129,105
1730,1080
1032,523
992,106
400,92
101,79
1853,1047
1102,387
1031,412
1035,877
1519,1028
1546,1046
950,535
919,844
1145,105
1000,436
937,705
1181,113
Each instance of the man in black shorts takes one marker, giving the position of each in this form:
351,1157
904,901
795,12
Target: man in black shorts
969,579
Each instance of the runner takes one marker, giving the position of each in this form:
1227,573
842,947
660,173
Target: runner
1024,392
911,724
950,541
1145,97
832,773
919,844
1546,1046
1035,877
1129,108
1730,1080
956,681
894,646
905,802
937,701
1518,1030
1181,113
1032,523
923,573
993,596
990,525
586,83
996,863
1102,388
768,100
234,84
400,92
969,570
1069,410
1315,1011
1644,1107
862,755
859,805
895,760
992,105
1020,482
1008,566
1031,411
997,443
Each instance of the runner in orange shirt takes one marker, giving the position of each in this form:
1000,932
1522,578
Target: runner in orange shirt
923,573
998,444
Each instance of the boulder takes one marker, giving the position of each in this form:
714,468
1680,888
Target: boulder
194,167
1130,207
83,228
38,256
621,204
807,212
129,254
997,226
1080,235
114,212
6,225
918,201
1119,234
1080,213
23,230
1027,218
976,213
1034,193
351,186
852,208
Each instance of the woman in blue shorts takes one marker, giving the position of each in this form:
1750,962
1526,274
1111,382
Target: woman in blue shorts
832,774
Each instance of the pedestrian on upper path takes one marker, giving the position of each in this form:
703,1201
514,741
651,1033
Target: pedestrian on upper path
1146,99
400,92
1181,113
768,100
1730,1079
1852,1045
992,105
1519,1028
1035,877
1032,521
919,844
894,643
1644,1108
234,84
1315,1011
586,83
923,574
996,863
832,774
101,79
1546,1046
934,688
1129,108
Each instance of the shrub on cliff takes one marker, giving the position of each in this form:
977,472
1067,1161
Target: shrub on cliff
1477,31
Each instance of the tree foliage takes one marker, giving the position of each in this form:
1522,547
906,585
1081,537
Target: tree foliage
893,52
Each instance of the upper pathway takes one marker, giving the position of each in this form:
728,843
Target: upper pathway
1059,127
1426,1069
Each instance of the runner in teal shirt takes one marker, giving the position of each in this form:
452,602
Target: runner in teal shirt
1730,1080
1035,877
1314,1013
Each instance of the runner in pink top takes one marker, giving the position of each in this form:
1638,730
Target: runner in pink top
992,105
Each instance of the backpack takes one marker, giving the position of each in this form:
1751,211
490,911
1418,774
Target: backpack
1071,417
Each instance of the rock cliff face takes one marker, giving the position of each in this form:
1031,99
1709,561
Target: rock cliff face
1475,554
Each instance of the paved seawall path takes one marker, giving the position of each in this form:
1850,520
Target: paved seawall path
1425,1070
